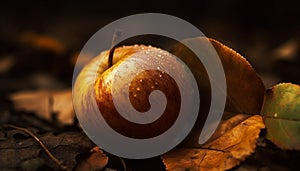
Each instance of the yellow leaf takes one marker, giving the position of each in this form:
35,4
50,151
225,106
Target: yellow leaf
223,153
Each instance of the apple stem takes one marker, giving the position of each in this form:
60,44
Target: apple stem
110,56
116,36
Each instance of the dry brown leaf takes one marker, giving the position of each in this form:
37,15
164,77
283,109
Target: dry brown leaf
287,50
223,153
245,89
97,160
18,150
44,42
6,63
46,102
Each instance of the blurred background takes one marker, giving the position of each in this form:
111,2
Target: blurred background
40,40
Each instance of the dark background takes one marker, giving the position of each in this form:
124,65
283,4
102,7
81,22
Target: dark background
256,29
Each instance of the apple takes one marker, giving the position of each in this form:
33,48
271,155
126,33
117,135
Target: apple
140,96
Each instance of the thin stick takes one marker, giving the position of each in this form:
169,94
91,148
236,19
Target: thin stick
59,163
115,37
123,163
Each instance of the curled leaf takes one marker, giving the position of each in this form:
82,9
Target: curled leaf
223,153
236,136
281,111
245,89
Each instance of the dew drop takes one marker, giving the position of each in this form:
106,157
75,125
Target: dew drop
141,80
158,68
160,75
138,89
152,87
135,95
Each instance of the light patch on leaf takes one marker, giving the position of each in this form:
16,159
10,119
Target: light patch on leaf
45,103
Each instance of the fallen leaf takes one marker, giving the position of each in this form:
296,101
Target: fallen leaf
245,89
287,51
24,152
46,103
31,164
223,153
6,63
281,111
44,42
236,135
96,160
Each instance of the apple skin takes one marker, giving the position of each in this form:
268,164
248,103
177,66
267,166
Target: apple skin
140,87
149,65
138,96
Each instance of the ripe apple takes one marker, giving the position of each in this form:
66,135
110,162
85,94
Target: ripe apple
141,95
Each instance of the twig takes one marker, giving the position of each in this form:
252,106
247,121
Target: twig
123,163
59,163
